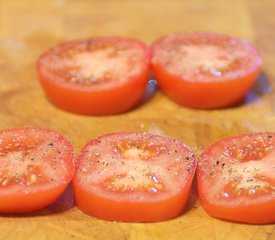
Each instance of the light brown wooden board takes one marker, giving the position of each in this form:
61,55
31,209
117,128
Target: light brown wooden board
29,27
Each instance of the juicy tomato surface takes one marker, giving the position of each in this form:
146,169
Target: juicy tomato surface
236,178
133,177
97,76
36,165
205,70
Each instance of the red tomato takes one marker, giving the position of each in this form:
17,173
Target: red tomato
205,70
236,178
97,76
36,165
133,177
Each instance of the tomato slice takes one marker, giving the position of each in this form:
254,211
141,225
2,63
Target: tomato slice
97,76
133,177
236,178
205,70
36,165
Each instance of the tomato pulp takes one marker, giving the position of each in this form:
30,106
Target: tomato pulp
97,76
236,178
205,70
36,165
133,177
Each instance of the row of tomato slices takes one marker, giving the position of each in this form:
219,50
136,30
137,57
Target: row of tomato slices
138,177
109,75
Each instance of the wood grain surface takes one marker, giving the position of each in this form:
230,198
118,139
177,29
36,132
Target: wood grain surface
29,27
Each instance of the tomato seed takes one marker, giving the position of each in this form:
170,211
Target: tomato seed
33,178
5,182
226,195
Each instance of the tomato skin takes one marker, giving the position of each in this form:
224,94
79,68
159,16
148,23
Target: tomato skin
30,202
89,101
108,102
207,94
204,95
28,198
252,214
256,212
127,210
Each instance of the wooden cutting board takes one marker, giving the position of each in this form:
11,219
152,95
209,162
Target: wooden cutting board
29,27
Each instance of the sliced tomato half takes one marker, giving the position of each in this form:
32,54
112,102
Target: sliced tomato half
36,165
97,76
236,178
133,177
205,70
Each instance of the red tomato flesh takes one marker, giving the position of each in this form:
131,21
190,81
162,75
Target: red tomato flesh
205,70
36,165
236,178
133,177
97,76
